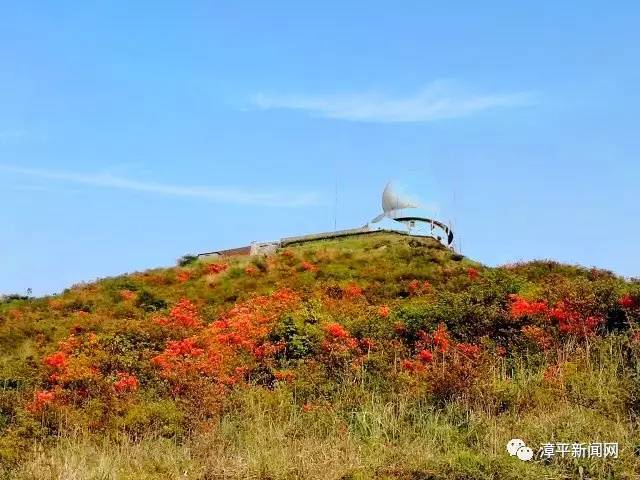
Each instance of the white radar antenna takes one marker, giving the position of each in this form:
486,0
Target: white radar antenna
399,208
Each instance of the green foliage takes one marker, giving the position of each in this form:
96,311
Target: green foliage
187,260
149,302
479,310
300,334
12,297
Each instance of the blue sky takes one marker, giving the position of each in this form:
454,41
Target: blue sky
134,132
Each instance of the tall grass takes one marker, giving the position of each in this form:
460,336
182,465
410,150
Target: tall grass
365,433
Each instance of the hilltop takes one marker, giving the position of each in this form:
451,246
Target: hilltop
378,356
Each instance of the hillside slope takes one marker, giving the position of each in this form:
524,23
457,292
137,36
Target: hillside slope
372,357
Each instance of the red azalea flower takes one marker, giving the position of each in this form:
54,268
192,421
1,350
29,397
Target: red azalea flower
250,270
336,330
214,268
441,338
57,360
308,266
125,382
426,356
521,307
41,399
414,286
353,291
627,301
183,276
469,350
472,273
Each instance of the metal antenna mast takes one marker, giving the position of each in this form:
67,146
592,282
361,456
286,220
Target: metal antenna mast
454,222
335,207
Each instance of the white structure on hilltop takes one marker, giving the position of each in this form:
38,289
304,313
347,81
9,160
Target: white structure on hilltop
400,208
396,207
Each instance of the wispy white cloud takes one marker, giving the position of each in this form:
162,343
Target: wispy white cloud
230,195
438,100
60,190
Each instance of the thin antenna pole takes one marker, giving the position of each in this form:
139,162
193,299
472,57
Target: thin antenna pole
454,222
335,208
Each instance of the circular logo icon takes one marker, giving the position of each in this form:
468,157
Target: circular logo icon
513,445
524,453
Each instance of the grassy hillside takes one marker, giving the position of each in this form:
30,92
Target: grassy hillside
373,357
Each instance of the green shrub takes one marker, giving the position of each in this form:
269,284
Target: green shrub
187,260
149,302
301,336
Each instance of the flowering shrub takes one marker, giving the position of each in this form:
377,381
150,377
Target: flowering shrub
251,270
416,287
521,307
571,322
186,347
127,294
338,344
458,367
627,301
125,382
71,371
425,356
41,400
183,314
441,338
226,350
308,266
384,311
214,268
568,319
583,326
174,350
353,291
469,350
367,344
400,328
183,276
58,360
472,273
336,330
413,286
412,366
